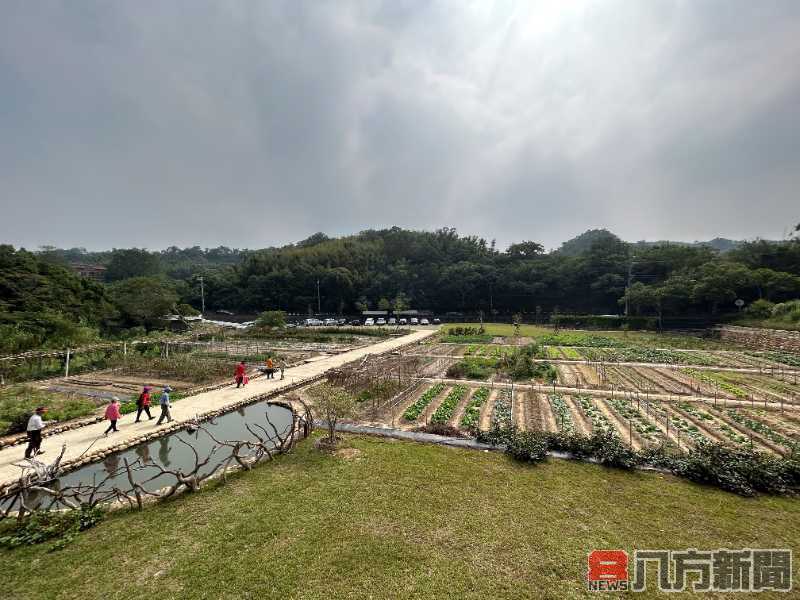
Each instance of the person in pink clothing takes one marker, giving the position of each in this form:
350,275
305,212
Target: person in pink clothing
112,414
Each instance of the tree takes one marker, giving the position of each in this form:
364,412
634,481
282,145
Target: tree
362,304
525,249
132,262
143,300
271,318
400,303
333,403
384,304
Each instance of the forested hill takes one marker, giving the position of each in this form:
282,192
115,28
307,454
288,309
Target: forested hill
443,271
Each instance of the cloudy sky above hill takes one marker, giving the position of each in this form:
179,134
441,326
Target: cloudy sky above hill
252,124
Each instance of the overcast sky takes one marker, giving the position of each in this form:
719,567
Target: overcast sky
250,124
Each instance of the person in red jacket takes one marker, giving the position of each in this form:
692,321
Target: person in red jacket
240,373
143,404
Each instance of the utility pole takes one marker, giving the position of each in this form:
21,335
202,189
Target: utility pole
628,286
319,302
202,296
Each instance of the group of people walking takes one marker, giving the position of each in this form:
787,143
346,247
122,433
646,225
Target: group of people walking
113,411
269,368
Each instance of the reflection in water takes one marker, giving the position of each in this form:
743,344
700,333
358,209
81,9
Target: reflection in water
143,452
163,451
111,463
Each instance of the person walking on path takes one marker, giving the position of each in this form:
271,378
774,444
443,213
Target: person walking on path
239,375
283,366
270,368
113,415
164,403
143,404
34,430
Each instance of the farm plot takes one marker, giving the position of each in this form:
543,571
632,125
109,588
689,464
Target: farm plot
758,430
420,404
562,413
784,423
470,416
716,428
661,381
446,410
501,412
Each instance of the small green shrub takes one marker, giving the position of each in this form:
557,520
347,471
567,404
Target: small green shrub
42,526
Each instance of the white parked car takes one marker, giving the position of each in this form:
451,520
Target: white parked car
312,322
392,321
424,322
369,322
330,323
381,321
404,321
414,321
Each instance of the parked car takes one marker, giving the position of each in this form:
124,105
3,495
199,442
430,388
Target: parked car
414,321
355,322
437,322
380,321
424,322
330,323
392,321
341,322
403,321
369,322
312,322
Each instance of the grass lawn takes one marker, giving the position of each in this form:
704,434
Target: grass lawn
398,520
634,338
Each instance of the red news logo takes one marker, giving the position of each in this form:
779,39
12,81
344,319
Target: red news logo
608,570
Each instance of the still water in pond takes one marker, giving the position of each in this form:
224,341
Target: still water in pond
170,453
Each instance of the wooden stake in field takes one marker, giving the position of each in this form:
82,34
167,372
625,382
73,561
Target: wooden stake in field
66,365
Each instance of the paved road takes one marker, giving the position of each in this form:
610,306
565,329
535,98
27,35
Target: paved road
78,440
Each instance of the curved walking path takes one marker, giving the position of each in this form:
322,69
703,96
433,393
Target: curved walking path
79,440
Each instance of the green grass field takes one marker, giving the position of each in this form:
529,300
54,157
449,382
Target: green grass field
397,520
633,338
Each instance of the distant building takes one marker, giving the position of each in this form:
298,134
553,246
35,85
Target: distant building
95,272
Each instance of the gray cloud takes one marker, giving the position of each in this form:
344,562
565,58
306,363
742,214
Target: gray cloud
253,124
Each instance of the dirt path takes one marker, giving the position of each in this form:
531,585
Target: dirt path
583,424
520,413
548,418
485,420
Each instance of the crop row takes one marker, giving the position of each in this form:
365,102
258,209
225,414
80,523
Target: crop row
728,431
715,380
415,410
448,406
786,358
562,413
640,422
599,421
472,412
761,428
501,417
